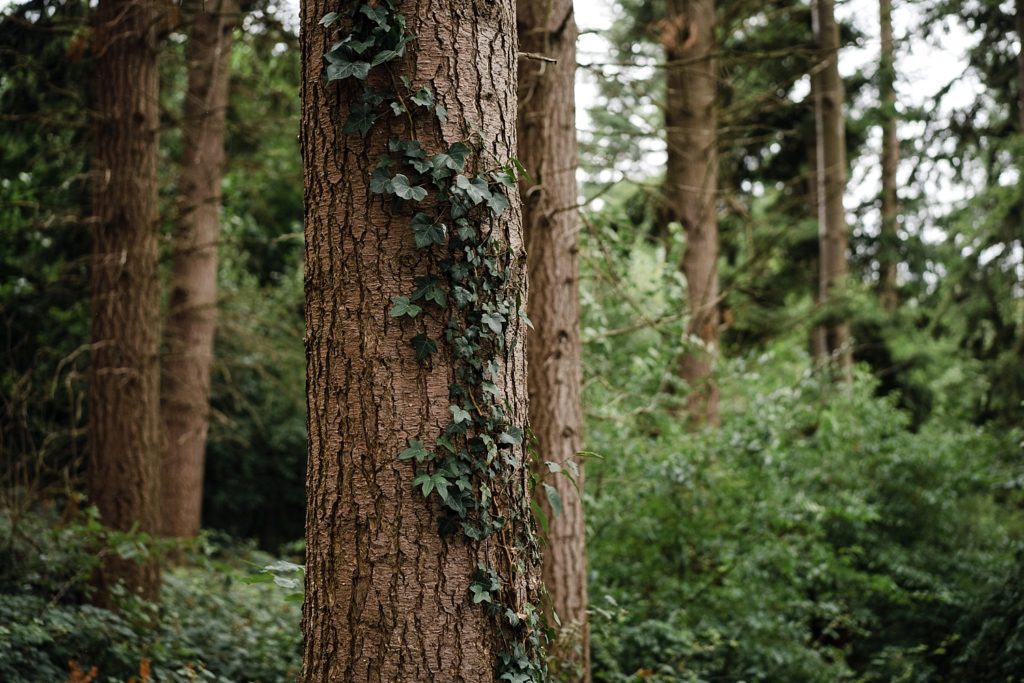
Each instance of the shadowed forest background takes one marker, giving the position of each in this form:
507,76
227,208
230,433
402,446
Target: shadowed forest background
837,496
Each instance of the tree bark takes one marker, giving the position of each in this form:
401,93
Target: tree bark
889,238
831,146
192,308
124,400
387,595
547,149
691,185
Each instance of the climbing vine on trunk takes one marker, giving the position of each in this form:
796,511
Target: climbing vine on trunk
475,469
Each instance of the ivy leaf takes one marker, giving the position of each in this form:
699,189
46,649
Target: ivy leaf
401,188
480,593
379,15
426,231
380,180
463,296
429,290
424,346
361,118
340,68
494,321
385,56
498,203
402,306
475,190
554,499
442,113
425,482
512,436
359,46
423,97
417,451
458,414
397,108
329,18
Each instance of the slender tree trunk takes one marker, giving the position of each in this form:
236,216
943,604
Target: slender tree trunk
691,184
831,145
547,148
124,399
889,238
387,595
1020,66
192,310
818,341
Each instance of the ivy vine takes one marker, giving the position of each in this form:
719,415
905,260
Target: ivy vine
451,193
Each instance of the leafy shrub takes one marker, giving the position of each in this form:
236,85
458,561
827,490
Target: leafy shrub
213,621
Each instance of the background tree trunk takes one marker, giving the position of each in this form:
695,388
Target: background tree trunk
124,399
691,184
831,145
889,238
387,596
547,149
192,309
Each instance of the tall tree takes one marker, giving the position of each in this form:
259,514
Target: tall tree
547,149
889,238
192,309
415,349
124,376
831,146
691,184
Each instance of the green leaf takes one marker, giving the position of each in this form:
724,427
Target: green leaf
340,68
429,290
425,482
494,321
361,118
512,436
417,451
475,190
401,188
329,18
498,203
442,113
426,231
554,499
423,97
424,346
402,306
458,414
378,15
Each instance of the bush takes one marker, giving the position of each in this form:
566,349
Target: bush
217,619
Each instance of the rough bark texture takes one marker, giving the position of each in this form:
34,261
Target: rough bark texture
547,148
831,146
691,184
192,308
889,238
387,596
124,401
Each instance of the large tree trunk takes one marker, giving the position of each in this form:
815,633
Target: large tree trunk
387,594
192,309
547,148
124,399
889,238
691,185
831,145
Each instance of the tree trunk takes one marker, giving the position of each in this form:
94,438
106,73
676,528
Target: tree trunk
547,149
124,399
889,238
192,309
388,595
691,185
831,145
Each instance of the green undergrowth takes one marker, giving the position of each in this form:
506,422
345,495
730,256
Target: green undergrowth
228,613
